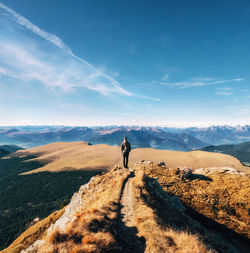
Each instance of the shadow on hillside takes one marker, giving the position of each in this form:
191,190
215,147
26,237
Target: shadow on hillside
20,164
215,235
200,177
33,195
127,236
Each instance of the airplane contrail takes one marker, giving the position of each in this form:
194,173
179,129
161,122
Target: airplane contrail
59,43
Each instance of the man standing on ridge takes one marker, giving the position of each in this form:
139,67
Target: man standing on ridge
126,148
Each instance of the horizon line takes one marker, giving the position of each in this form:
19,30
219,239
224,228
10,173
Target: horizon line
114,125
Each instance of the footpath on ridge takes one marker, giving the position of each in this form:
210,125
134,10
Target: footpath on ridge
123,211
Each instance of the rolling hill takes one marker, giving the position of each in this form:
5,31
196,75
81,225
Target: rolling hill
11,148
67,156
7,149
3,152
240,151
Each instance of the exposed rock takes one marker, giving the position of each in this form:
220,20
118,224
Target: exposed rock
184,172
36,219
173,200
33,248
220,170
162,164
187,173
147,162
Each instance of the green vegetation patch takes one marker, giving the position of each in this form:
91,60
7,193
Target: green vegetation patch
26,197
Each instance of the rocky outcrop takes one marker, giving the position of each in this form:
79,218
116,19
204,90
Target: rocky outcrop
155,188
220,170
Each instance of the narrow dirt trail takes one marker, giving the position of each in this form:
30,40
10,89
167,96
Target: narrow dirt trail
127,211
127,228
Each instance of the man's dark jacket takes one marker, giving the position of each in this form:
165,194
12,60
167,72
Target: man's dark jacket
125,147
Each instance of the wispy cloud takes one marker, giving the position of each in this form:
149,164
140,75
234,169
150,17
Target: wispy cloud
6,73
199,82
19,60
35,29
224,93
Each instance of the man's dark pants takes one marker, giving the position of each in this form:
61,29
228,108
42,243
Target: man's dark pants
125,159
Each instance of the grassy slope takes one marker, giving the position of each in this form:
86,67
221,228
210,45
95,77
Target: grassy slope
240,151
24,198
78,155
97,226
223,198
38,194
33,233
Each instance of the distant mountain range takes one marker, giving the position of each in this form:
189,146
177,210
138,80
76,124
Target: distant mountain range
217,135
181,139
240,151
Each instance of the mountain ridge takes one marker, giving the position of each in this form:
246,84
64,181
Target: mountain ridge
122,210
182,139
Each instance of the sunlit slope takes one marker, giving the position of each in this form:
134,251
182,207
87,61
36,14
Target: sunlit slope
147,209
63,156
192,159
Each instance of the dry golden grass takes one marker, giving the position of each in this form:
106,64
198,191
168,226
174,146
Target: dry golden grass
92,231
63,156
33,233
98,227
94,228
161,238
224,198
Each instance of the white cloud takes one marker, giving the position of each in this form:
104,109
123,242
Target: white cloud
35,29
227,88
224,93
239,79
199,82
23,60
6,73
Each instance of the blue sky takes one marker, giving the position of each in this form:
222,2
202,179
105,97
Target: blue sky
88,62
